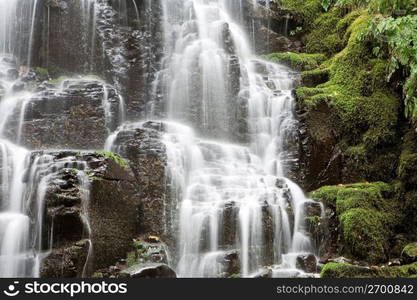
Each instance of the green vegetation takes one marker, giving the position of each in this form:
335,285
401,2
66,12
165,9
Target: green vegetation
298,61
344,270
393,33
409,253
115,157
367,217
307,10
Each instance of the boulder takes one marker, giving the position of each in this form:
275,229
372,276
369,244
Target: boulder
307,263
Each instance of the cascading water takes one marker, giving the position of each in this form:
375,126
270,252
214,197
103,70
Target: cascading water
24,175
228,126
204,43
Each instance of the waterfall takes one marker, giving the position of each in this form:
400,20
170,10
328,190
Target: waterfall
26,175
215,177
227,124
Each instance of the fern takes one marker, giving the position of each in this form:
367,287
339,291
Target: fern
398,35
394,31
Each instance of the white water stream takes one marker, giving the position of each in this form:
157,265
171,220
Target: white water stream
209,76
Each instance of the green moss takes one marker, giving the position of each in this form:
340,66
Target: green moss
409,253
365,110
367,216
131,259
324,37
327,195
407,170
297,61
115,157
307,10
315,77
364,234
344,270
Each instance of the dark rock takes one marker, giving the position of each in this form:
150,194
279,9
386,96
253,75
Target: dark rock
307,263
141,145
66,262
107,218
320,160
73,117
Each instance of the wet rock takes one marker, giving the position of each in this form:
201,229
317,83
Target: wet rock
150,270
141,145
146,251
105,215
307,263
66,262
320,159
68,115
231,263
313,209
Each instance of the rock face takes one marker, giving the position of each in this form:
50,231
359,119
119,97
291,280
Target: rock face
79,51
72,114
141,145
92,228
117,40
320,156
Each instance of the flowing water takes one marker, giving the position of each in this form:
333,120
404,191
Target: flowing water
203,41
25,176
229,130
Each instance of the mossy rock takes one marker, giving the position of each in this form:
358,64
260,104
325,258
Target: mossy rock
330,32
364,110
115,157
409,253
364,234
297,61
306,10
345,270
315,77
367,215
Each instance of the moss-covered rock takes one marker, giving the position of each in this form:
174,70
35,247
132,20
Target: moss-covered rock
367,216
315,77
364,234
364,112
345,270
297,61
115,157
306,10
409,254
